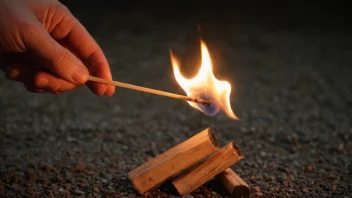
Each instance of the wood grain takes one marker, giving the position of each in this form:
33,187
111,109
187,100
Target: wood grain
159,169
200,174
233,183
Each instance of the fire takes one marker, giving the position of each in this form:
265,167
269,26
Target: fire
204,85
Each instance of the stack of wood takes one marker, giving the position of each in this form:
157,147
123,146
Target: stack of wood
191,164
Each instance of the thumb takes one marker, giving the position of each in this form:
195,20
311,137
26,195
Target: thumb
59,60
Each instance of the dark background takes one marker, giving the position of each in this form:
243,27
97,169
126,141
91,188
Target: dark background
289,64
291,15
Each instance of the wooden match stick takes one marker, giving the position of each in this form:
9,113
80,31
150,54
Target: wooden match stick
236,187
200,174
159,169
152,91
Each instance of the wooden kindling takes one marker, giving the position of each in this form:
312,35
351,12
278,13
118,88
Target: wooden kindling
200,174
161,168
235,186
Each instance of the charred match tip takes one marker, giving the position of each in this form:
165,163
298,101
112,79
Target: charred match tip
204,102
208,103
200,101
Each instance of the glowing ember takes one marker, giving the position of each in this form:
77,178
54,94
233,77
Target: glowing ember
204,85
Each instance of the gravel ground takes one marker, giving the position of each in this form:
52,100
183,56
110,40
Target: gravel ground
291,88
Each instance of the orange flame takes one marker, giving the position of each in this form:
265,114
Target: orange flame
204,85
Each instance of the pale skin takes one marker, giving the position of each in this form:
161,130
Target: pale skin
43,46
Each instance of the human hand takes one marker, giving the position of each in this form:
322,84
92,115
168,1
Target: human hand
46,48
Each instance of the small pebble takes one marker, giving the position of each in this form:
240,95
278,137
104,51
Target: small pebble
256,188
61,190
265,185
253,178
67,193
68,186
96,189
78,191
80,166
15,186
285,183
340,147
32,179
29,171
50,193
47,167
267,192
54,186
309,169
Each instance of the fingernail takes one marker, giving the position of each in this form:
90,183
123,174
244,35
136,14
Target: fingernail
81,75
43,82
12,73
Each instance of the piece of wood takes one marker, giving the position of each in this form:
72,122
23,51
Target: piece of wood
233,183
152,91
159,169
200,174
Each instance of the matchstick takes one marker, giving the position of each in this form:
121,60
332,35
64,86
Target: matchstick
236,187
159,169
152,91
200,174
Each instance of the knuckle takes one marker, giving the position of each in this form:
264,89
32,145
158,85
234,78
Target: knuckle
56,7
61,10
30,29
51,86
28,32
62,58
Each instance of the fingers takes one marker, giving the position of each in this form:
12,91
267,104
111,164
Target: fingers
50,83
82,43
100,69
93,57
39,81
23,74
58,60
19,73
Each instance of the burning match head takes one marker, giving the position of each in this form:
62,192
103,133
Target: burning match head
200,101
208,103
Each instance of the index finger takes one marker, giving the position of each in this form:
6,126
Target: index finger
73,33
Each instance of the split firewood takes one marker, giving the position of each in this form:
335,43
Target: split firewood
200,174
161,168
233,183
